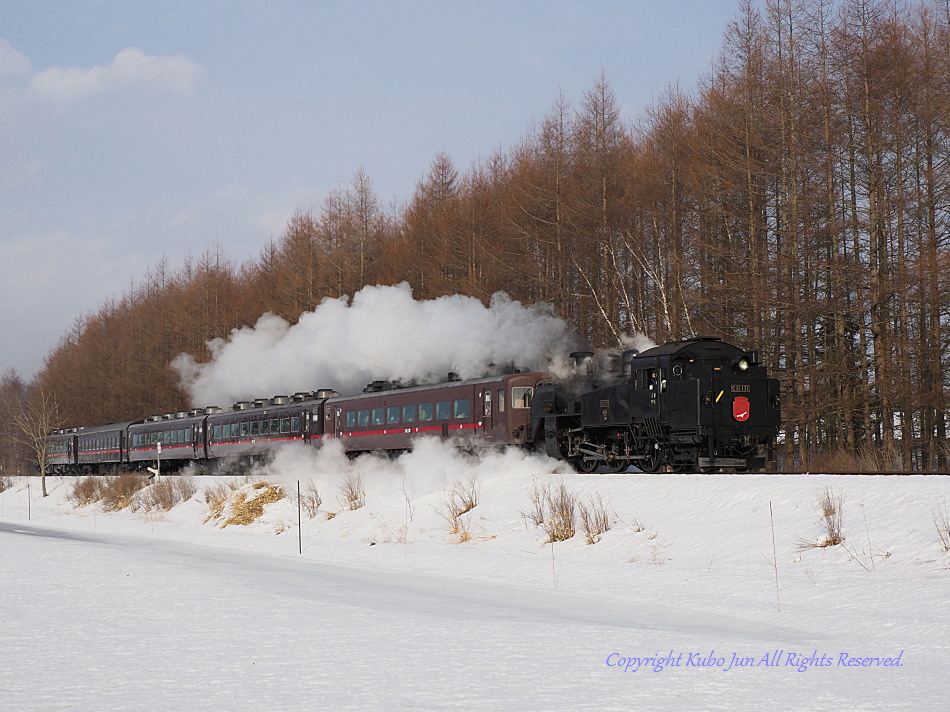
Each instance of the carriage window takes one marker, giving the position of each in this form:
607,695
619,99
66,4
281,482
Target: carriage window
285,425
245,429
461,408
235,430
378,416
392,415
274,427
363,418
501,401
255,429
521,397
265,427
217,432
409,414
351,419
443,410
295,425
425,411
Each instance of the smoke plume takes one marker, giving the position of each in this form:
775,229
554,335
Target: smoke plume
382,333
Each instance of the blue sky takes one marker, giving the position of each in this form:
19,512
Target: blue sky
130,130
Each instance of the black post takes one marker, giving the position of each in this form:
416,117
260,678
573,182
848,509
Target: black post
299,522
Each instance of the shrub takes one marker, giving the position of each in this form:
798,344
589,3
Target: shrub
5,483
352,492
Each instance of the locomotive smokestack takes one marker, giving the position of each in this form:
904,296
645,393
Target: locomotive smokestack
582,361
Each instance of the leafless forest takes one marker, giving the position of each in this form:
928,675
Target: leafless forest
796,201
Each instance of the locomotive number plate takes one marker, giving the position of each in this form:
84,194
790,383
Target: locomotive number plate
741,388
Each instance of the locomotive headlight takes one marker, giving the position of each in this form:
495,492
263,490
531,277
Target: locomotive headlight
743,364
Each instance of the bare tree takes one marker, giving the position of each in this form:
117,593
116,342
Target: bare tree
33,420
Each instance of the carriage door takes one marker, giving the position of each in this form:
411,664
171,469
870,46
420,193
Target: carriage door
488,416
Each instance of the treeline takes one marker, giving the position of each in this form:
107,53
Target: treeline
796,202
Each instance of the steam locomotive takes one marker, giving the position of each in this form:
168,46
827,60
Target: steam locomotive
693,404
698,403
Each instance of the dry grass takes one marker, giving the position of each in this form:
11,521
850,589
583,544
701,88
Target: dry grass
5,483
310,500
217,496
85,490
595,519
536,513
553,509
455,503
116,493
831,509
942,525
352,492
165,493
245,510
867,458
831,505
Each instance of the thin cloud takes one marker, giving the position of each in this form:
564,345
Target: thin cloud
131,69
13,64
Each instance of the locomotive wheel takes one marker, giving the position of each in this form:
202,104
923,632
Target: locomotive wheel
586,466
652,461
615,466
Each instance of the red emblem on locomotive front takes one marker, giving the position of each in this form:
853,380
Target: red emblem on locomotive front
740,408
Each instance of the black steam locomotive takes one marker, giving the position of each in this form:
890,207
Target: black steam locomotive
697,403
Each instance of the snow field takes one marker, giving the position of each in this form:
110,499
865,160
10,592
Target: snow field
385,609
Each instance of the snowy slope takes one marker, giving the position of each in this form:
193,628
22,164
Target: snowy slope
385,609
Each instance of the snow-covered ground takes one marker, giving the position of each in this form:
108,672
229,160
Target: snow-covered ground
386,610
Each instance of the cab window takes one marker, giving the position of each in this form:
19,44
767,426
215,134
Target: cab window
521,397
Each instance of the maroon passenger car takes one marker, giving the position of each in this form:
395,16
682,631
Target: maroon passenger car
492,411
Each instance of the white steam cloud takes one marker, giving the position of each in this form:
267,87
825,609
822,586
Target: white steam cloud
382,333
430,467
